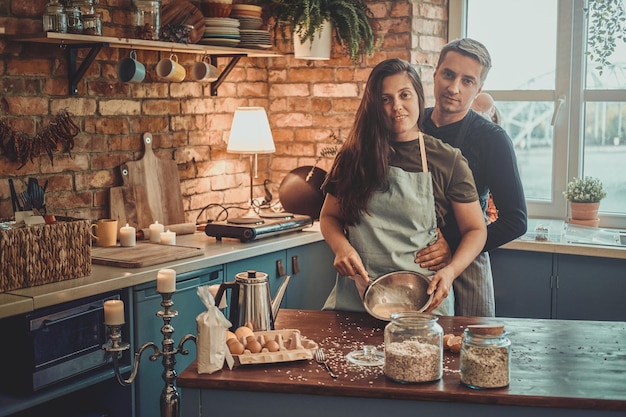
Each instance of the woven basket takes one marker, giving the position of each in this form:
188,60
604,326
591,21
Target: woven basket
46,253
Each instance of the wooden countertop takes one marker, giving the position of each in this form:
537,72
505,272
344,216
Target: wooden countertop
554,363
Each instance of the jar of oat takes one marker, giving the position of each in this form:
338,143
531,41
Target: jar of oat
484,357
413,348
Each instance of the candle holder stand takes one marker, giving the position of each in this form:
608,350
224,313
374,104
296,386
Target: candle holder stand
170,399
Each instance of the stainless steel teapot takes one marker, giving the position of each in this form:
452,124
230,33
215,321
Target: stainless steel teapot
250,300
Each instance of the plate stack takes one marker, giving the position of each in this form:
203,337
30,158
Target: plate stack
252,36
256,39
221,31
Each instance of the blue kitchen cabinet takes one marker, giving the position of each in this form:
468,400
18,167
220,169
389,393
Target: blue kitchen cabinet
523,283
315,277
591,288
149,382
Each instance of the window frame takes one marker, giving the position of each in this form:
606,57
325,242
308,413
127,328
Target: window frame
569,116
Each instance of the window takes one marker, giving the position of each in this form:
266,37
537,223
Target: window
564,117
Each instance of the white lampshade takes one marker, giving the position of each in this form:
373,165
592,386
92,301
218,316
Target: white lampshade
250,132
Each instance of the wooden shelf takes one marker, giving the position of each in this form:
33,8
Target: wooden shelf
72,42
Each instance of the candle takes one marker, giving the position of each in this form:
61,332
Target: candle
168,238
127,236
155,232
113,312
166,281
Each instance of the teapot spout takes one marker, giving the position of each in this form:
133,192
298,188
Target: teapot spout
278,298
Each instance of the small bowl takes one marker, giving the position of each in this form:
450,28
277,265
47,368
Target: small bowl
397,292
216,9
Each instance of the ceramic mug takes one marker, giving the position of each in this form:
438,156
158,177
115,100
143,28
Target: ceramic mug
130,70
170,70
203,71
105,232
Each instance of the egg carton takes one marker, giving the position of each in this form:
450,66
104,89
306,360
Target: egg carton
293,347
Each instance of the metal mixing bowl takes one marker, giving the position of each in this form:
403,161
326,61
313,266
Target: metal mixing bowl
395,292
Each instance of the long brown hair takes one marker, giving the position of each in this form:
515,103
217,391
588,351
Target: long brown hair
362,164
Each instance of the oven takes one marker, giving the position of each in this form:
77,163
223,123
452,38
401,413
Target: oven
55,344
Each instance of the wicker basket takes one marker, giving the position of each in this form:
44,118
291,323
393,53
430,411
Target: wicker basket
45,253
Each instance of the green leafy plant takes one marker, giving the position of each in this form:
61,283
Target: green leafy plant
350,19
607,25
584,190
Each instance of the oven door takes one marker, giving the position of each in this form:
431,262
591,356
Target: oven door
60,342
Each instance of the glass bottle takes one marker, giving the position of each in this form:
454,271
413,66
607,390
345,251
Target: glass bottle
55,20
92,24
413,348
74,22
147,19
484,357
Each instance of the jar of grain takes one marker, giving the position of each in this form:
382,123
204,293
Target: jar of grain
484,358
413,348
55,20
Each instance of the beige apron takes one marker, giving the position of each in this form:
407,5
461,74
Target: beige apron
401,222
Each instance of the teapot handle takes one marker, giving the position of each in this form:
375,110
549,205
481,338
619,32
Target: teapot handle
233,306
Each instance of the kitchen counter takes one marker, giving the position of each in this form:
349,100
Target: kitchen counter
558,368
109,278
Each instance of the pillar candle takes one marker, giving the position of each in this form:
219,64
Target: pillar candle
168,238
113,312
155,232
166,281
127,236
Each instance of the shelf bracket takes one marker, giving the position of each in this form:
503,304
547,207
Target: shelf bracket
233,62
74,73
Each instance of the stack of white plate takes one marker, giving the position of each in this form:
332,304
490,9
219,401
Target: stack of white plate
255,39
221,31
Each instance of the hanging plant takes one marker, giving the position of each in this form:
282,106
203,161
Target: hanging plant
607,26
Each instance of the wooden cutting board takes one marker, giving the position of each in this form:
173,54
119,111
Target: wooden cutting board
143,254
182,12
151,191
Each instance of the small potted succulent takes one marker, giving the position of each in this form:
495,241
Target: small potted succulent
584,196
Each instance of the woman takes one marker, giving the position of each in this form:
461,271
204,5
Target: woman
388,188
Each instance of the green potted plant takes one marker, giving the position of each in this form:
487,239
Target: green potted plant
350,20
584,196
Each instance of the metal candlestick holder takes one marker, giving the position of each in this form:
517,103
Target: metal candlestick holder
170,400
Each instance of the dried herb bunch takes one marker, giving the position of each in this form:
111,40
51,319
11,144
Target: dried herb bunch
350,18
326,152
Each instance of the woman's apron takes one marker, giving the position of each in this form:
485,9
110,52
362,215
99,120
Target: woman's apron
401,222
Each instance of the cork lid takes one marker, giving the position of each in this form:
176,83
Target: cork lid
494,329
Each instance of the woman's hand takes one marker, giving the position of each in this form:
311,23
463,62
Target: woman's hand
440,285
435,256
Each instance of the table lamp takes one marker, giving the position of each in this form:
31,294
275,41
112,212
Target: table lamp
250,134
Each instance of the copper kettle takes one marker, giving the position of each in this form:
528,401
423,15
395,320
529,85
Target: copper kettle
250,300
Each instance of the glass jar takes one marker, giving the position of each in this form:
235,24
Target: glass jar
74,22
413,348
55,20
484,357
85,6
92,24
147,19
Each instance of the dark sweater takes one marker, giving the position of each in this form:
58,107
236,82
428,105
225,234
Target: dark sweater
491,157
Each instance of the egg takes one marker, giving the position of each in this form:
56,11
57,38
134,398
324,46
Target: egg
230,335
272,346
243,332
253,345
235,346
454,344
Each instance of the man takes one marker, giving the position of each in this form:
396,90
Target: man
459,77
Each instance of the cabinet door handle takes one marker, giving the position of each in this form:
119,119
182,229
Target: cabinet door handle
294,265
280,269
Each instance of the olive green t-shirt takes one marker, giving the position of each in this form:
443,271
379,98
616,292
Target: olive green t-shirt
451,175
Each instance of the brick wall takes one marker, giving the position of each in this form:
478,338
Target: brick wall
306,101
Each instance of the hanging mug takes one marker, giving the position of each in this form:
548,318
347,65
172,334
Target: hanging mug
130,70
170,70
203,71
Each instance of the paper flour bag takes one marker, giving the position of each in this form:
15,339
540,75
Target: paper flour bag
211,343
